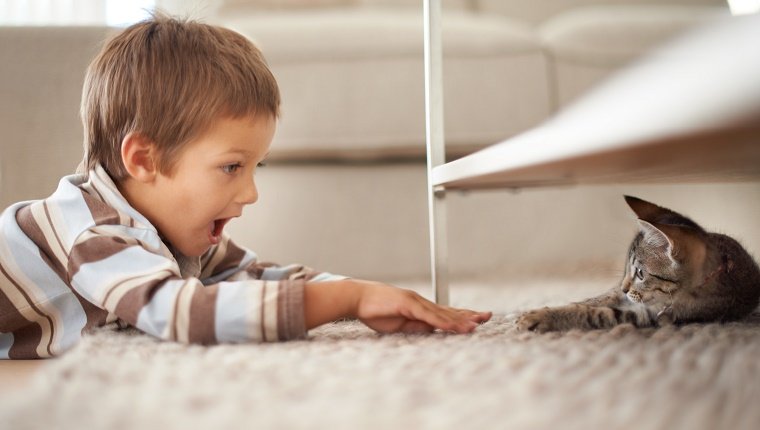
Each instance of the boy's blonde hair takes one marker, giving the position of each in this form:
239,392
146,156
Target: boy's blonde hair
168,80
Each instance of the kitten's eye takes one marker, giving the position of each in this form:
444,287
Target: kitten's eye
639,274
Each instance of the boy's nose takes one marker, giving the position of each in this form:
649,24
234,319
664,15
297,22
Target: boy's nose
249,194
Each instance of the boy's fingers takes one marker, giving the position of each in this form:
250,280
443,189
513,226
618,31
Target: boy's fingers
481,317
434,318
466,322
433,315
454,322
466,313
447,318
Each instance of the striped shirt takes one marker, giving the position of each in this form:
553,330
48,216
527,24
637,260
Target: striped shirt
84,257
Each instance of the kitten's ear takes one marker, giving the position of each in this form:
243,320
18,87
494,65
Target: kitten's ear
658,215
645,210
655,238
679,243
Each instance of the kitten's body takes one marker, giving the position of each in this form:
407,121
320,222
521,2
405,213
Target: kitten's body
675,273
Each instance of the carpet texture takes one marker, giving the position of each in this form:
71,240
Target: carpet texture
345,376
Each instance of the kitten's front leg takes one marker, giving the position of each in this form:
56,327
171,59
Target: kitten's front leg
576,316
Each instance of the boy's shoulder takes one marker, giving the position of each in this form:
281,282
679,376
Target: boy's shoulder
79,202
77,205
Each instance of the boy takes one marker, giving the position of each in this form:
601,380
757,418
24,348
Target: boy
177,116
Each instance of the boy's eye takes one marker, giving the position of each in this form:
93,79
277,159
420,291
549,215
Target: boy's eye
231,168
262,164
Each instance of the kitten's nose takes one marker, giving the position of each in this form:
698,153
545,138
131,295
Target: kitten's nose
626,287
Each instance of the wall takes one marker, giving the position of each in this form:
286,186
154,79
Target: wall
371,221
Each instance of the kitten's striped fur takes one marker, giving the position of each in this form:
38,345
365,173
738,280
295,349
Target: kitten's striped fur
676,272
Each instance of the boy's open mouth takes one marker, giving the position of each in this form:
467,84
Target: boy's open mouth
215,230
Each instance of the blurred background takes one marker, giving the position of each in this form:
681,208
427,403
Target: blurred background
345,189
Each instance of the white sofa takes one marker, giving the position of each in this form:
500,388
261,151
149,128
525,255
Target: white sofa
345,190
351,70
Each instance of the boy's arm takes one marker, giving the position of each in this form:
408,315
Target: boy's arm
329,297
229,262
123,275
384,308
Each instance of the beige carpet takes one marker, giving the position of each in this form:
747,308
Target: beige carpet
347,377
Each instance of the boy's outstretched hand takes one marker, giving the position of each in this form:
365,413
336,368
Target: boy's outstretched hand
384,308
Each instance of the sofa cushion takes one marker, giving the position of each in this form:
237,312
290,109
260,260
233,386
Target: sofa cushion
587,44
236,6
232,7
353,80
538,11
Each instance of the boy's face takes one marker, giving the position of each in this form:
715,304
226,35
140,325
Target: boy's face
210,183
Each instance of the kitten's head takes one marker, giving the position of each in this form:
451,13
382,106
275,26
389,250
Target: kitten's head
670,255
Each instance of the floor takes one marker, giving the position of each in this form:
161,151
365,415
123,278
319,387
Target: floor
15,375
347,377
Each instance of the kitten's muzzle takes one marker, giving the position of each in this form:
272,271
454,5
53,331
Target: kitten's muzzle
633,296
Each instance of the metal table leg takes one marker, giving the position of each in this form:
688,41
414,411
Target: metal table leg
436,151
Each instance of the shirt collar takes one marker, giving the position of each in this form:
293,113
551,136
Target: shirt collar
189,266
109,192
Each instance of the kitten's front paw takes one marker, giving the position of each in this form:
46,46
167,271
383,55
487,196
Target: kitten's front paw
539,320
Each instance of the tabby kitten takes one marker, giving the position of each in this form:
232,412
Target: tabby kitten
676,272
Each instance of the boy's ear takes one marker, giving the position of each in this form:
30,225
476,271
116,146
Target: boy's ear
138,153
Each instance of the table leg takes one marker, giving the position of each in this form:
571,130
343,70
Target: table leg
436,150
